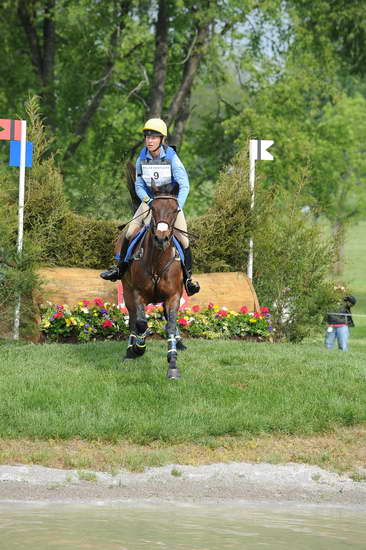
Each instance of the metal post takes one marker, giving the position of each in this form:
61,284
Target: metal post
251,189
23,143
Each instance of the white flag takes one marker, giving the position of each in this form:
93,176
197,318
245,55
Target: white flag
258,149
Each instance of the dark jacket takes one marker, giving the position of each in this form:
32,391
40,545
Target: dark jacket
335,317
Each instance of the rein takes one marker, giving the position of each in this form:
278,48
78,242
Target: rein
153,224
121,227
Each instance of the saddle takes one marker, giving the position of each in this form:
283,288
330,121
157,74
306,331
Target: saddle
131,255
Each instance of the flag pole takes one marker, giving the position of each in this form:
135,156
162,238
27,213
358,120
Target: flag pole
23,143
251,189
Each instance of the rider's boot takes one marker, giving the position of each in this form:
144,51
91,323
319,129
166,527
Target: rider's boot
120,269
190,286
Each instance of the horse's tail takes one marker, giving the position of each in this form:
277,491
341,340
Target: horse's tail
130,181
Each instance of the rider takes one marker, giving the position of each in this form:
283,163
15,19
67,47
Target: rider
160,163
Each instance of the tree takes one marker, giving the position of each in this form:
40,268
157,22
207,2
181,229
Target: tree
102,68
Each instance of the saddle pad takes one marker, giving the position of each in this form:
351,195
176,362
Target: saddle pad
137,238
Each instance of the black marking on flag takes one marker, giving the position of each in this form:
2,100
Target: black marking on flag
12,129
259,149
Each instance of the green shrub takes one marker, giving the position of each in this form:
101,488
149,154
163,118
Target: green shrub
66,238
292,259
53,234
17,272
223,232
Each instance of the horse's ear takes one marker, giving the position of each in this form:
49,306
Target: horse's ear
154,187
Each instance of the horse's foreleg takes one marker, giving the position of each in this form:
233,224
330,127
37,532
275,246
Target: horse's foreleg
180,345
142,330
171,327
178,337
130,354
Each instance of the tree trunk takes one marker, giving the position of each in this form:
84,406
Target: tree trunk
191,66
42,52
339,234
176,136
160,62
94,102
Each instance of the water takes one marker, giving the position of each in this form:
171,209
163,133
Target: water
132,526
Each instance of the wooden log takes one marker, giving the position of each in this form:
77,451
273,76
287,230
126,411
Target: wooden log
68,285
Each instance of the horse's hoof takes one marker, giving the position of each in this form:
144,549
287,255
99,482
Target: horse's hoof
173,374
139,350
126,358
180,345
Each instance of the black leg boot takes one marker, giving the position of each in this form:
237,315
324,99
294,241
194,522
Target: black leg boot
190,286
118,270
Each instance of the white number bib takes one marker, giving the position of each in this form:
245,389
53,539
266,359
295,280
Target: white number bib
161,174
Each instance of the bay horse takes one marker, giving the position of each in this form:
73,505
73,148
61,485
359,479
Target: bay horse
155,275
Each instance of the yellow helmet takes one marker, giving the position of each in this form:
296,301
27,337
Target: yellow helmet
156,126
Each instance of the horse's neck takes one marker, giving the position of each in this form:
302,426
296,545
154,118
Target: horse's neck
155,257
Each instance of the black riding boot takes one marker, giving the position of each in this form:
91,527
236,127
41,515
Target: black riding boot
191,287
120,269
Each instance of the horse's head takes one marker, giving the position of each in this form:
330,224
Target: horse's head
164,211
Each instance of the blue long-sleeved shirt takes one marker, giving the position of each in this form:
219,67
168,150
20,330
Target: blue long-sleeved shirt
179,173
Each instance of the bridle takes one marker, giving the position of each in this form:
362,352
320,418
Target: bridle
154,223
170,226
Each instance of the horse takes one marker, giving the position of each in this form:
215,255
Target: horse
155,275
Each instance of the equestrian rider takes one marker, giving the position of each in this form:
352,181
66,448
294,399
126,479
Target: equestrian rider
160,163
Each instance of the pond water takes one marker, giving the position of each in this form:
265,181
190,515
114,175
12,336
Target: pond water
135,526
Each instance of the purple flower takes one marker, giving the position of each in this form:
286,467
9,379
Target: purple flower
104,311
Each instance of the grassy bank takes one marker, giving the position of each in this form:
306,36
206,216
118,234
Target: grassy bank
78,406
235,401
65,391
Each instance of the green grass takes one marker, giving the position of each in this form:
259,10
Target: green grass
354,274
67,391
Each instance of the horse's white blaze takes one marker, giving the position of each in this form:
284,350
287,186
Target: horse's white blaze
162,226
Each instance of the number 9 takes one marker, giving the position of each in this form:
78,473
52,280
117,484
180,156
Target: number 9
156,175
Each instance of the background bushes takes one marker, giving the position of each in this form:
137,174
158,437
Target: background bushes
292,258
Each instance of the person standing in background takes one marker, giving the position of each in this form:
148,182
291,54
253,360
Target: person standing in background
339,322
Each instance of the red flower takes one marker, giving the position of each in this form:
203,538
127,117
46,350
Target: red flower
210,305
86,302
196,309
264,310
183,322
222,313
107,324
99,302
243,309
58,314
60,307
257,315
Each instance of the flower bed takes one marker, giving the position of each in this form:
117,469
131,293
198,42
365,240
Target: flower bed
98,320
